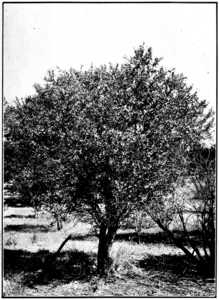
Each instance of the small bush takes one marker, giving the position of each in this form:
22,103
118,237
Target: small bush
34,238
11,241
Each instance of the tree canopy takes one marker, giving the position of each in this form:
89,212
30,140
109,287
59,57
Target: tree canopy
99,141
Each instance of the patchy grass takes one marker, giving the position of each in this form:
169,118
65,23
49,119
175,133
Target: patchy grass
154,268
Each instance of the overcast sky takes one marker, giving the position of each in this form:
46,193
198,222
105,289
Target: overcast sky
38,37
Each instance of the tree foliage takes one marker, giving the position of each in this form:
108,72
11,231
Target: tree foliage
100,141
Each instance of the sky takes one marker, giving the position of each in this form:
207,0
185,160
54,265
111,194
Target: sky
39,37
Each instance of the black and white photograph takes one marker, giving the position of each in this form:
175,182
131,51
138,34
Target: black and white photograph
109,149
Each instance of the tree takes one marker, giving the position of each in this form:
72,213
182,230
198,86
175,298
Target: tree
99,141
138,220
192,208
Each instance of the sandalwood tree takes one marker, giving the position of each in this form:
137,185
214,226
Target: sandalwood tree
98,141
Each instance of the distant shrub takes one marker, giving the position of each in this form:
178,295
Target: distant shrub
11,241
138,221
34,238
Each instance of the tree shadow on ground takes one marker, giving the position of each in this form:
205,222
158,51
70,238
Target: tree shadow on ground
84,237
15,202
28,228
42,268
20,217
158,237
176,266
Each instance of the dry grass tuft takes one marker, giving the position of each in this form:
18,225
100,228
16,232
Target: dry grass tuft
13,286
123,262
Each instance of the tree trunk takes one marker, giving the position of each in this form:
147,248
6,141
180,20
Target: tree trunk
59,225
106,238
212,254
138,237
212,238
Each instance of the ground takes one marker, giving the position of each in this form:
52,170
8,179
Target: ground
155,268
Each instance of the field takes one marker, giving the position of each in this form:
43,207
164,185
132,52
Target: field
155,268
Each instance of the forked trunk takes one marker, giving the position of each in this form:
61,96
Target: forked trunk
106,238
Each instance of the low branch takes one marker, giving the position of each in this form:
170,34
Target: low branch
176,241
53,257
62,245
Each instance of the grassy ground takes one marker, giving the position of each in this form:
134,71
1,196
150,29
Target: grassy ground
152,269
